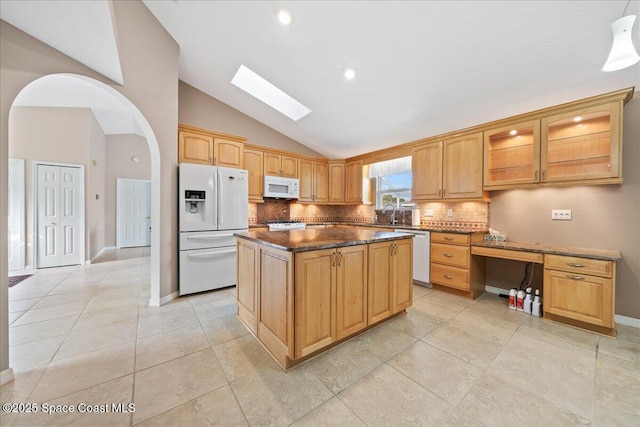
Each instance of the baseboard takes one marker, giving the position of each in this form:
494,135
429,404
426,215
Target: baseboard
622,320
100,252
627,321
6,376
154,302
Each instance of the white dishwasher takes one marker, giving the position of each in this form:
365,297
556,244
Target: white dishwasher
421,257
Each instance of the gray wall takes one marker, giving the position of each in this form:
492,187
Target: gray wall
603,216
201,110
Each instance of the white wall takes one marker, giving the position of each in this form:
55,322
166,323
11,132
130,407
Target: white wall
95,200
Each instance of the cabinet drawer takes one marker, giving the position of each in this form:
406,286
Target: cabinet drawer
451,238
578,265
580,297
450,276
457,256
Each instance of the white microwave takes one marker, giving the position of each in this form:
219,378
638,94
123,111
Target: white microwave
281,188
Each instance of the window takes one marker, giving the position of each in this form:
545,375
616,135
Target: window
393,181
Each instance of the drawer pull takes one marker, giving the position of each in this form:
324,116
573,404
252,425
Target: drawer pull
448,238
574,264
574,277
448,255
447,276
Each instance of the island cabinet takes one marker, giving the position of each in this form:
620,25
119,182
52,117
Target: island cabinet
580,291
452,265
247,283
205,147
314,181
448,169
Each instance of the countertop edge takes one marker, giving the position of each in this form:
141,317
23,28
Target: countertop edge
590,253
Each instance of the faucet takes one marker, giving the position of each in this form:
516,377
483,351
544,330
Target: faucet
393,214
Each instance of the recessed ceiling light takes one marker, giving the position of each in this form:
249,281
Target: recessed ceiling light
513,132
577,119
349,73
268,93
285,16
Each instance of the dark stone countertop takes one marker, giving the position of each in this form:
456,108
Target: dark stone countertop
389,226
602,254
319,238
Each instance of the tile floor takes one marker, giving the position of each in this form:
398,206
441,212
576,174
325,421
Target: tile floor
84,335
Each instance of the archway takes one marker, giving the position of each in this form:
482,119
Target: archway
144,128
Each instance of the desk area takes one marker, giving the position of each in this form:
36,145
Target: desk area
578,283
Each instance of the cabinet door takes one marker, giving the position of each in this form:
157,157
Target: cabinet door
195,148
579,297
228,153
321,182
512,155
315,291
247,285
351,290
253,162
380,304
426,168
289,166
353,192
462,167
403,274
336,182
305,168
272,164
582,144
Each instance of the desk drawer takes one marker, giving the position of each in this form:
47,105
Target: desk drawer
450,276
451,238
595,267
457,256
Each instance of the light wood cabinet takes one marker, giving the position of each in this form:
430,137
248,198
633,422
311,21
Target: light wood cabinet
453,266
390,278
280,165
253,162
247,284
449,169
580,291
353,192
314,181
336,181
351,290
205,147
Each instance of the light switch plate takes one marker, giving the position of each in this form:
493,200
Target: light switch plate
561,214
450,212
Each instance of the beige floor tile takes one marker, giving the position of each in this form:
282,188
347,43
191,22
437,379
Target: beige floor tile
170,345
343,365
244,356
216,408
415,323
436,309
223,329
17,294
211,296
111,302
483,325
15,316
35,354
53,300
331,413
75,286
41,330
22,304
558,371
83,342
163,322
420,291
617,392
384,342
385,397
459,419
50,313
22,385
437,371
92,406
620,348
78,373
173,383
628,333
548,330
494,402
465,345
495,307
273,397
176,304
95,319
216,309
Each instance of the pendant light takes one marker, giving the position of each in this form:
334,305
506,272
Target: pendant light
622,54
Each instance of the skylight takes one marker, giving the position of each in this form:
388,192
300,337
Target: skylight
266,92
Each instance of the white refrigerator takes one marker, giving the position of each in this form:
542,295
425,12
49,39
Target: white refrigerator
213,204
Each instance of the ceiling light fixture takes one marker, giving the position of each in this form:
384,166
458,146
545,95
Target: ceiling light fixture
268,93
285,16
349,73
623,54
513,132
577,119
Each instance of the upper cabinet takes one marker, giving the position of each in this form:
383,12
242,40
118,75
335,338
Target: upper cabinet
253,163
353,175
280,165
314,181
204,147
336,181
449,169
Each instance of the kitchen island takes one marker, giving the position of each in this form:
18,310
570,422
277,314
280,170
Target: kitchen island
300,292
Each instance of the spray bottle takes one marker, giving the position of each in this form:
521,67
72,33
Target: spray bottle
537,305
512,298
520,300
528,301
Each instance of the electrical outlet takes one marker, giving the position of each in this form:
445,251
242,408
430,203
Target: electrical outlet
428,212
561,214
450,212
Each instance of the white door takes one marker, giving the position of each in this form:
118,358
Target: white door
60,219
134,213
15,200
